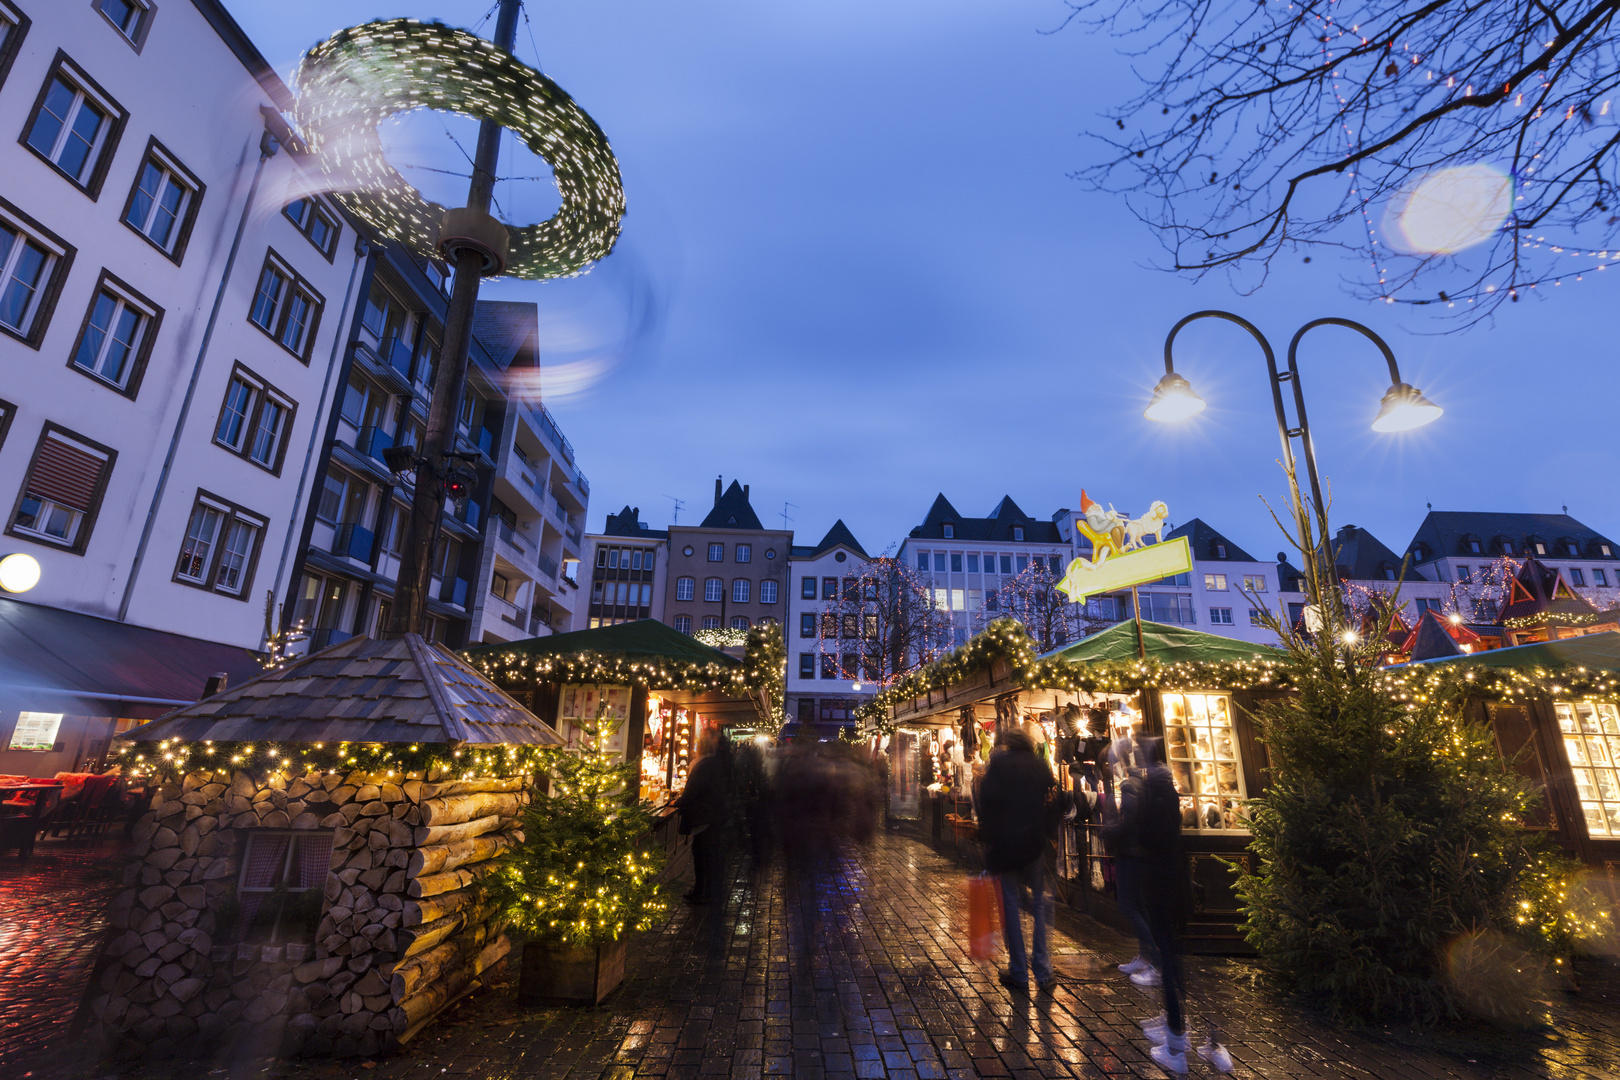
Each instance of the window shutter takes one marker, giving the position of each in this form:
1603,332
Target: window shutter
66,474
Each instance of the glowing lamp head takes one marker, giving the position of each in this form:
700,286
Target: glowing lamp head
1173,399
1350,637
19,573
1405,408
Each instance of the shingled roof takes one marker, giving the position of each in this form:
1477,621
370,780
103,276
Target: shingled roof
839,534
627,522
401,690
1208,544
1452,533
732,510
998,526
1361,556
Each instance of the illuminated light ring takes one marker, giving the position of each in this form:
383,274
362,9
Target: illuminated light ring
359,77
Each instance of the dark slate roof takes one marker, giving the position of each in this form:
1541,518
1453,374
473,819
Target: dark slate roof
627,522
732,510
46,648
400,690
838,534
1287,573
1203,540
1445,534
1361,556
509,331
644,639
998,526
1538,589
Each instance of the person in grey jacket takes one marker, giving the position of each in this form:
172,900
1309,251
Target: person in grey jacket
1015,818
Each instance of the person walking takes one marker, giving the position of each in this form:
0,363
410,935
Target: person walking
703,808
1015,819
1125,767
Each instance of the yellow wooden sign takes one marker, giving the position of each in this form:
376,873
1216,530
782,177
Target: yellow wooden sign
1112,571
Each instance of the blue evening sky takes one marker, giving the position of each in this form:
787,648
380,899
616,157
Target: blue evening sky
855,272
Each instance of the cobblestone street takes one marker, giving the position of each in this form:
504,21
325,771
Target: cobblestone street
889,990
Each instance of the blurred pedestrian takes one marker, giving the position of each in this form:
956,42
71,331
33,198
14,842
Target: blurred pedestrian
704,814
1015,819
1126,762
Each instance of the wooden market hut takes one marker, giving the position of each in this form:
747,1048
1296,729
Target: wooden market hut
1161,679
304,881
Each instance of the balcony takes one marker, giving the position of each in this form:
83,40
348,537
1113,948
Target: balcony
354,542
575,535
398,355
553,434
372,441
548,565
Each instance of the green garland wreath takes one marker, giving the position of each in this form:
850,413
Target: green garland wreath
359,77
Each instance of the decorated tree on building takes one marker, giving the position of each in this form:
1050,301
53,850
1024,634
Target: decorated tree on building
884,623
1050,617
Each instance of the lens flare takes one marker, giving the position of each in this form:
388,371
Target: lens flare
1448,210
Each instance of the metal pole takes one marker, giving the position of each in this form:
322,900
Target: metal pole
449,383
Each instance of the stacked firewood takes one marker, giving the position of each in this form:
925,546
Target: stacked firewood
405,929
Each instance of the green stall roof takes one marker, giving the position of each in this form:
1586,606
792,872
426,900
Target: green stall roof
1164,643
1595,652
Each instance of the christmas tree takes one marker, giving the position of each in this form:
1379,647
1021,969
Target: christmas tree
587,871
1390,840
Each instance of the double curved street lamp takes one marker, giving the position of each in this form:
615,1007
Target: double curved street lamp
1403,408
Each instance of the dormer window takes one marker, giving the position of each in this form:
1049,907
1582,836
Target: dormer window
1574,548
1389,572
1605,549
1541,548
950,531
1473,547
1220,551
1018,533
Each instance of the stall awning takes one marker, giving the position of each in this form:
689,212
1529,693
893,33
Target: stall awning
1594,652
46,651
1162,642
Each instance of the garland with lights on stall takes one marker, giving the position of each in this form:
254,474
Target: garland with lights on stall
360,77
171,759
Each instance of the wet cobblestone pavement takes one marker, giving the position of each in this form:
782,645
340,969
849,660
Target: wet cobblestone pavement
889,991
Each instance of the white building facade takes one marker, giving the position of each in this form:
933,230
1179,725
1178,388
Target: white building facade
825,680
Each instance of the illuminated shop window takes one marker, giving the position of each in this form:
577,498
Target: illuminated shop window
1203,754
1592,741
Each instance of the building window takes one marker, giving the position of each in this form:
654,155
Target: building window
950,531
851,589
1600,577
717,553
684,588
807,588
745,553
1256,618
1576,576
254,420
956,562
75,126
922,560
282,884
1220,551
601,556
1462,575
613,559
220,547
163,203
1220,616
1592,742
1006,564
767,592
1428,603
1202,751
714,590
939,562
829,624
635,560
711,622
1018,533
1023,563
63,490
32,265
973,562
739,622
285,307
130,17
849,627
1473,547
829,666
829,588
869,627
1215,582
807,665
117,335
741,589
1254,583
807,624
13,28
683,624
319,225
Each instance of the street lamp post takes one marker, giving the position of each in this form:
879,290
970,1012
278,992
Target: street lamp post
1403,408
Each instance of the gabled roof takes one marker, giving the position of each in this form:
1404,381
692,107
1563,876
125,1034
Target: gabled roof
1287,574
398,690
1430,640
838,535
732,510
509,330
627,522
1445,533
1206,543
998,526
1361,556
644,639
1162,642
1538,590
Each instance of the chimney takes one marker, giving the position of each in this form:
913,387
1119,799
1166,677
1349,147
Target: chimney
745,493
717,491
215,684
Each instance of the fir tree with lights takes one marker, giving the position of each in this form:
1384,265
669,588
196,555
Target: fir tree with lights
587,871
1390,840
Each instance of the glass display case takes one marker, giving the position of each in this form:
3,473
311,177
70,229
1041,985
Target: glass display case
1591,731
1202,750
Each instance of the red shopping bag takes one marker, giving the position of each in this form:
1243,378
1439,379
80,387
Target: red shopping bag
984,916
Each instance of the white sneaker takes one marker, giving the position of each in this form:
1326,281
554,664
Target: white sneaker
1157,1029
1216,1054
1148,976
1134,966
1172,1056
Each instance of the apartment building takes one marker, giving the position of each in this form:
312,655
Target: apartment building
627,564
824,674
1456,547
728,571
1224,593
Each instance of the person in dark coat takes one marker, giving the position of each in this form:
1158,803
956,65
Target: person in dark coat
1015,820
703,805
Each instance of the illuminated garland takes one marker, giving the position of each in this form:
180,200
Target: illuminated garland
173,758
350,83
722,639
1006,639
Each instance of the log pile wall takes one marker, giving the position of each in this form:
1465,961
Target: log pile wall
403,931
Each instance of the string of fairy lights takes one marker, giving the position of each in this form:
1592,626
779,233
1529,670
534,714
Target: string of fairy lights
361,76
1007,641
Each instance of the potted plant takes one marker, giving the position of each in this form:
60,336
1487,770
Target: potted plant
584,877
